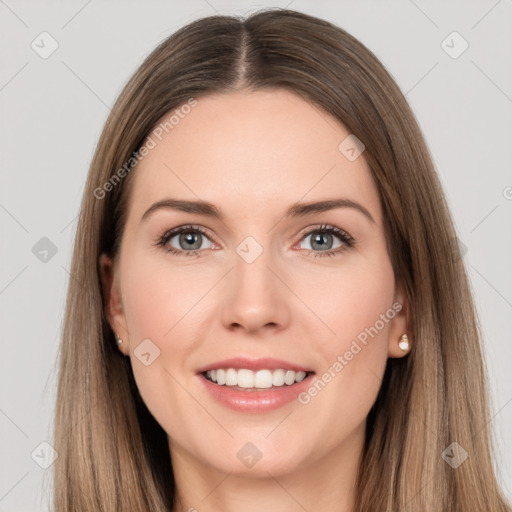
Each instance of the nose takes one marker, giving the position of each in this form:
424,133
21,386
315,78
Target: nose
255,296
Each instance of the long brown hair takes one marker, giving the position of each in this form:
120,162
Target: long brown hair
112,453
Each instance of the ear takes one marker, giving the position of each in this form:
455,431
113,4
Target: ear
113,304
399,324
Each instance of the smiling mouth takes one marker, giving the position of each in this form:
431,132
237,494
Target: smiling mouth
261,380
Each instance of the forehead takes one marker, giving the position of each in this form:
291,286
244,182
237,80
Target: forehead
251,152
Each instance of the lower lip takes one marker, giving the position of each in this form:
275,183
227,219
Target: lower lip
256,400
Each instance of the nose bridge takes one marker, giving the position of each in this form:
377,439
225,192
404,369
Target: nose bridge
256,297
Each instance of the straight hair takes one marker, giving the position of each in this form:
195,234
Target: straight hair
113,455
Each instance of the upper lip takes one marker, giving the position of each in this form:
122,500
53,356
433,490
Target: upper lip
254,364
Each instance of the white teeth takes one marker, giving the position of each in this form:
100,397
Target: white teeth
231,378
245,379
261,379
221,377
289,377
278,378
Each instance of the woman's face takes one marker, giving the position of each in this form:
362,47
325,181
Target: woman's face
262,283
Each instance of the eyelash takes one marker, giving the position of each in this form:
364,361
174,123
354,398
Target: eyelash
345,238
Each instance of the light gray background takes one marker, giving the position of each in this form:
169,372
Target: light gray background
52,111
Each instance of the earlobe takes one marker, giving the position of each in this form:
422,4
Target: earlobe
399,332
112,299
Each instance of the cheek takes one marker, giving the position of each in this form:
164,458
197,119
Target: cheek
157,295
349,300
356,305
160,303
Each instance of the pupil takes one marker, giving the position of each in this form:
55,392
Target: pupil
188,238
321,237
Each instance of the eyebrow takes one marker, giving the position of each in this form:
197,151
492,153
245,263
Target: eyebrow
295,210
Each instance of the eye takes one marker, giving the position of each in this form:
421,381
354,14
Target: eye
189,239
322,238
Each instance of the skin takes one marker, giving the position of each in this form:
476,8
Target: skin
250,152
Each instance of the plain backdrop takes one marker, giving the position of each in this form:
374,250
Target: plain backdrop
52,111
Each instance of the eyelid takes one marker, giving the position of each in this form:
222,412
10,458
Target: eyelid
323,227
177,230
345,238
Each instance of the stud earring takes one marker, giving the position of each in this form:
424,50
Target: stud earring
118,340
404,343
